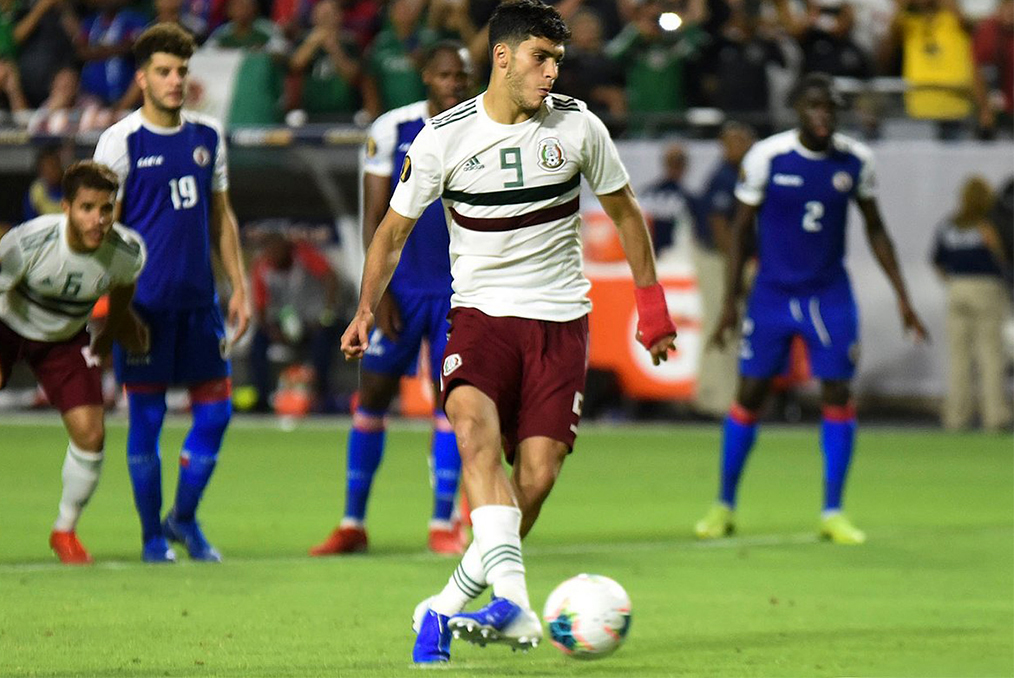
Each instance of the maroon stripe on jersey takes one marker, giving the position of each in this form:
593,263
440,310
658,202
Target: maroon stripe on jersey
535,218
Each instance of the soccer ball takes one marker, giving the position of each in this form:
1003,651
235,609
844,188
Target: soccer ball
588,616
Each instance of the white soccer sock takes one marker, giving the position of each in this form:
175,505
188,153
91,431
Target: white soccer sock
81,471
465,585
497,531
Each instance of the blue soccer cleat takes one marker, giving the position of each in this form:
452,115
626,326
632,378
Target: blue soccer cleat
189,534
157,550
502,621
433,636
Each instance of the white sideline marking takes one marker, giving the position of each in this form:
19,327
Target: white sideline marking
534,551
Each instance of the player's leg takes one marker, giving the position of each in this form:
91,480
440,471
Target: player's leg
200,363
82,467
72,380
768,328
832,340
365,450
211,408
145,378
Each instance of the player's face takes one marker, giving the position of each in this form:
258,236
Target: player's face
817,115
89,218
531,72
164,82
446,78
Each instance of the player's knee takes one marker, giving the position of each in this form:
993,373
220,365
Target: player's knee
213,417
475,436
751,394
836,393
91,439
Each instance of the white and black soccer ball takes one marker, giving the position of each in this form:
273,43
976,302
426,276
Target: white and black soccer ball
588,616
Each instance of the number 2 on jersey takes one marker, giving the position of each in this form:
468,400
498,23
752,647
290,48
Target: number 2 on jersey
183,192
814,212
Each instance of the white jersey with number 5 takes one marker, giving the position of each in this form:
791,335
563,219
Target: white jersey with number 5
511,196
47,290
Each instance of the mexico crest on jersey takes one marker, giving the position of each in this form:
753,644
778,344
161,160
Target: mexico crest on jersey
842,181
551,157
202,156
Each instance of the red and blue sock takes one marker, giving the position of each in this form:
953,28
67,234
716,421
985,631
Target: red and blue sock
211,406
738,435
837,439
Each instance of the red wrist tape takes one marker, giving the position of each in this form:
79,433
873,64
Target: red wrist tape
653,319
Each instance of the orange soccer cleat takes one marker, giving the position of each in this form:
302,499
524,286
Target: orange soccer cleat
68,549
450,541
342,540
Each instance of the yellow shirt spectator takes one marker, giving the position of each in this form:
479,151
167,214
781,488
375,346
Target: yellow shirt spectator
937,64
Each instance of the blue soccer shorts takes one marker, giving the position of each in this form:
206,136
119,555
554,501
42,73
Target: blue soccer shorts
187,346
422,316
827,320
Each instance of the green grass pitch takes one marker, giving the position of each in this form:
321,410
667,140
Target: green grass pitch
931,594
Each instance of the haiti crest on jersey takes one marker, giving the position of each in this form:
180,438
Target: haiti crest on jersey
551,157
842,181
202,156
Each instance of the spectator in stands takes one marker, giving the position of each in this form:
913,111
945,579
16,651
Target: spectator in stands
968,254
738,60
104,45
824,34
936,55
45,32
194,16
360,19
450,20
297,301
716,381
655,57
12,97
993,45
590,75
392,66
329,64
671,206
247,31
46,191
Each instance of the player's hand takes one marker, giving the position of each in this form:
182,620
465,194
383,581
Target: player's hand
661,348
913,325
388,317
726,323
239,316
356,338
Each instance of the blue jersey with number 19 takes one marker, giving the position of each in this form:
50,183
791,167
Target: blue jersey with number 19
803,200
168,177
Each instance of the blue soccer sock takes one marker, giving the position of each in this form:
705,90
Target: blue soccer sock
199,455
446,469
738,435
837,438
147,412
365,450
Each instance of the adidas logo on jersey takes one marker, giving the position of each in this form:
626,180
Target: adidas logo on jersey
472,164
150,161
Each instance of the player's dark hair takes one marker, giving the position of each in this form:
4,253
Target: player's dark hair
165,37
88,174
514,22
451,46
821,81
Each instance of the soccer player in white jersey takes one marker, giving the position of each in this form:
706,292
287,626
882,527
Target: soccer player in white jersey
52,271
507,165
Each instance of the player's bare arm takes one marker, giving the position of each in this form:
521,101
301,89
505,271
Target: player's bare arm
381,259
225,241
622,208
883,250
122,324
376,197
742,244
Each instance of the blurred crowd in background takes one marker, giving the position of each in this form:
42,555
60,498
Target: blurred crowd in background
643,65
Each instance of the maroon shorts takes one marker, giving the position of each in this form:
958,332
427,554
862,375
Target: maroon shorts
533,370
68,378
